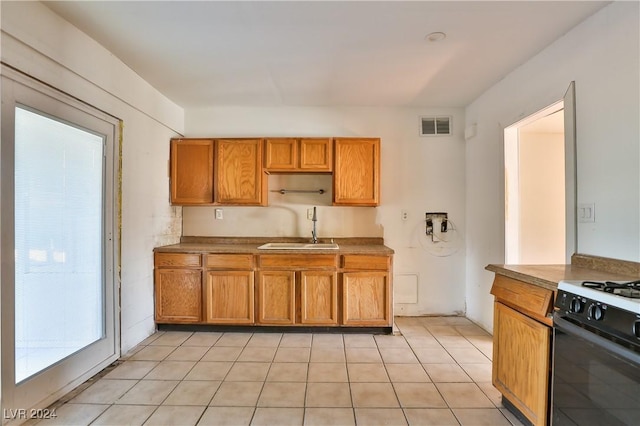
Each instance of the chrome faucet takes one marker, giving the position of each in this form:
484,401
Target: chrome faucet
314,233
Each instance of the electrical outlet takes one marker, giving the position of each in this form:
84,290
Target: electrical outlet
404,214
310,214
219,215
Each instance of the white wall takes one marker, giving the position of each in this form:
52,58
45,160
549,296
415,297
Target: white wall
542,199
419,174
601,56
39,43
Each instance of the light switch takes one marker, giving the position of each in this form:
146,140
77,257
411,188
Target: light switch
586,212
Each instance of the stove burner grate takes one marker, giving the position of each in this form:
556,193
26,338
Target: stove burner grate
629,289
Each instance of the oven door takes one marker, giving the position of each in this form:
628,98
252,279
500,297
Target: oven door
595,381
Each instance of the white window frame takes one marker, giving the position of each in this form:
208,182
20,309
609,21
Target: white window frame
46,387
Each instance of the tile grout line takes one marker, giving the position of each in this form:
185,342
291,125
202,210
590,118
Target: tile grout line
395,392
272,361
427,373
458,364
473,380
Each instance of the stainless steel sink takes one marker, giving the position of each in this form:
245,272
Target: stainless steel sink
299,246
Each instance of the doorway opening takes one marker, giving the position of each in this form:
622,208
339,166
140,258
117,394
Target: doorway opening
535,188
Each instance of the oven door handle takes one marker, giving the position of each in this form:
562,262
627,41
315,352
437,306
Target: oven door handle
621,351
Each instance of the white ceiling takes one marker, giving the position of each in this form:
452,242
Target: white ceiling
318,53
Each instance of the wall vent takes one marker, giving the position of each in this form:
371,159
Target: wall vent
435,126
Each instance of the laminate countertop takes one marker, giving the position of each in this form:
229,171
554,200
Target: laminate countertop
249,245
582,267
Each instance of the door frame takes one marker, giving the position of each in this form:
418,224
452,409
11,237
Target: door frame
510,136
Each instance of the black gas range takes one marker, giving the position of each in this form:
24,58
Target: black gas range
596,355
608,308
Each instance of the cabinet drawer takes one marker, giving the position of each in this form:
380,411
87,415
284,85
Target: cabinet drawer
177,259
524,297
230,261
366,262
306,261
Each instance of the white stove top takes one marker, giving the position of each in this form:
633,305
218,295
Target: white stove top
622,302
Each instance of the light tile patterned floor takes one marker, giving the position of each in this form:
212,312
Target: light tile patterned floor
438,372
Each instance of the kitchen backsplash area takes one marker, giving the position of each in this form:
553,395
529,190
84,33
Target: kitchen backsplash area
286,214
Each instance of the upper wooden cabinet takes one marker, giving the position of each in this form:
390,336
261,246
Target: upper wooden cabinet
316,154
356,172
281,154
232,171
192,171
238,172
313,155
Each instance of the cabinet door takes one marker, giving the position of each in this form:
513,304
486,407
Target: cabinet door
281,154
191,171
178,295
276,297
316,155
356,172
521,355
229,297
318,298
366,298
239,176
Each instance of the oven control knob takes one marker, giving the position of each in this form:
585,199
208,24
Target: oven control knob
596,312
636,329
576,306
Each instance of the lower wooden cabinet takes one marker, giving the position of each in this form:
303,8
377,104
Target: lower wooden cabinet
178,288
366,298
229,289
230,297
178,295
366,290
298,289
521,359
522,336
318,298
298,297
276,297
273,289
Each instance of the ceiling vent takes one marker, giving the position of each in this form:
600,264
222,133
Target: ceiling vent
435,126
